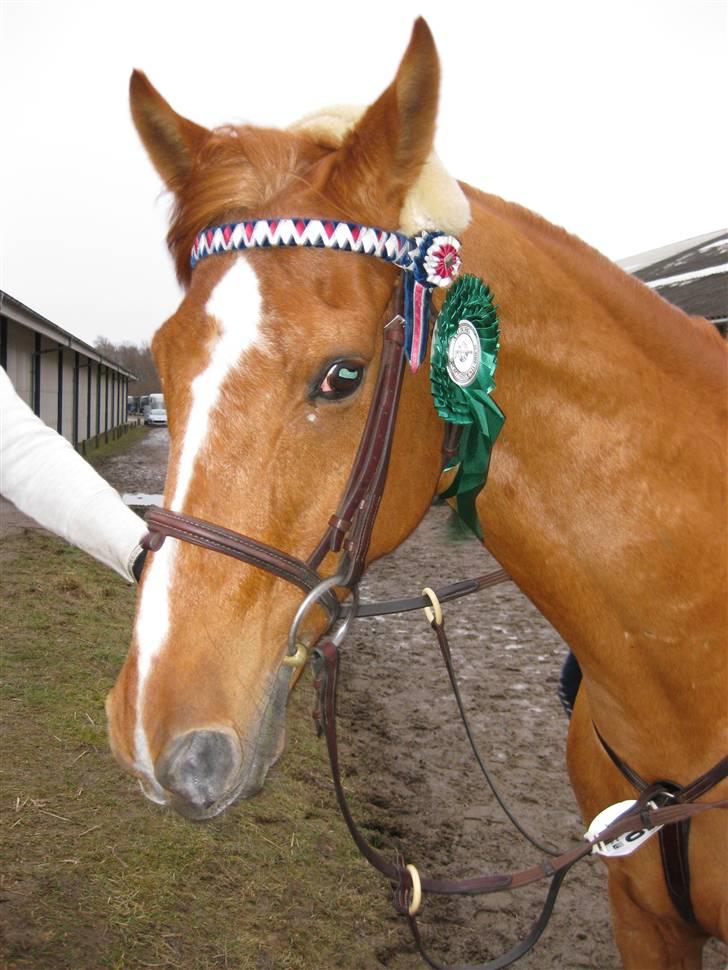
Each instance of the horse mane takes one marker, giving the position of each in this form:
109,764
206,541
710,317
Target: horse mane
662,331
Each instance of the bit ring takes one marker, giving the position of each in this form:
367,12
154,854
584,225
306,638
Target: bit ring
294,645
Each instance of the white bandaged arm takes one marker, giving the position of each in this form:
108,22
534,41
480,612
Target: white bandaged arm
42,474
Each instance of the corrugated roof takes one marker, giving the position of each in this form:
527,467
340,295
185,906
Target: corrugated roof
692,275
20,313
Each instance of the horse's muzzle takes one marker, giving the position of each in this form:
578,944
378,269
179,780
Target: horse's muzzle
200,769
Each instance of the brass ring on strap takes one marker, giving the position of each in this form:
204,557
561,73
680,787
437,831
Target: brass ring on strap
433,613
299,658
414,906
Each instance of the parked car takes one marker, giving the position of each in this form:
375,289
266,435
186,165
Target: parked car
156,416
154,409
149,401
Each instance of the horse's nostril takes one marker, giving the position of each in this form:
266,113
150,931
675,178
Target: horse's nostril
200,766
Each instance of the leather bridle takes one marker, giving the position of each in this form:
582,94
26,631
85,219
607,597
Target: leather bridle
349,529
348,534
428,261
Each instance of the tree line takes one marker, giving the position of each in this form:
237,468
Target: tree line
136,358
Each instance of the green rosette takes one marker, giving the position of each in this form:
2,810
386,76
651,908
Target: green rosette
465,398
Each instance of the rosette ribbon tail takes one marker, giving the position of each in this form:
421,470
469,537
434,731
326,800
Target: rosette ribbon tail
473,457
417,302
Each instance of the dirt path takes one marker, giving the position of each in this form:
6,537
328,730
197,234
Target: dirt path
404,726
140,469
407,754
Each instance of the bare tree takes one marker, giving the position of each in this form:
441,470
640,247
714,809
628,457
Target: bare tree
136,358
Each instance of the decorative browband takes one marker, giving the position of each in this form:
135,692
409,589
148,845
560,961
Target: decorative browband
429,260
466,338
432,256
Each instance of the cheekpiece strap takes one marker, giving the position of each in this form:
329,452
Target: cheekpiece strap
429,260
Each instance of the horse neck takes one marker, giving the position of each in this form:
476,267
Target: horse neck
609,471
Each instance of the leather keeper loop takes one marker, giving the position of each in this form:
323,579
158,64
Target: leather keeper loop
152,541
339,528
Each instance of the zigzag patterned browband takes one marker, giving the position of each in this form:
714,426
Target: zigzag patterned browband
394,247
429,260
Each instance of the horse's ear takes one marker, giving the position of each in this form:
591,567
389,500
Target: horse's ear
170,140
384,153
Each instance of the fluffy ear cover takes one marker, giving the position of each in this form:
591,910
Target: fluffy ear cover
435,201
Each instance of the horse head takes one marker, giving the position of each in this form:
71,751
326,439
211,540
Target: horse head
268,367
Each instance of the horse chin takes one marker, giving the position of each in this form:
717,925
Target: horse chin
245,789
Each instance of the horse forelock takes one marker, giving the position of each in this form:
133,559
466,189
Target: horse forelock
240,170
236,172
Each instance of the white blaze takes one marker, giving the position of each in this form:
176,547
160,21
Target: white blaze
235,304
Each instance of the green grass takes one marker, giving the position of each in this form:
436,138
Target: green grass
116,446
94,876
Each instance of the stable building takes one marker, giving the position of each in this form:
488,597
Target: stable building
692,274
68,384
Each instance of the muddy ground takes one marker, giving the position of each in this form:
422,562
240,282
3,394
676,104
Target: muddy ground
407,756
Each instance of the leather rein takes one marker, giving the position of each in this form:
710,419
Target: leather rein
348,534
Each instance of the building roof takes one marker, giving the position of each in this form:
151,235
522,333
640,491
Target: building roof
20,313
692,275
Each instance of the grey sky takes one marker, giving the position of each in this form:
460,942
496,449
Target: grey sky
605,117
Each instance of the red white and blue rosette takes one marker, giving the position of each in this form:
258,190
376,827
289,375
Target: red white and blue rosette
434,262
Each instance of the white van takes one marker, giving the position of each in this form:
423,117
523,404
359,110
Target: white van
155,411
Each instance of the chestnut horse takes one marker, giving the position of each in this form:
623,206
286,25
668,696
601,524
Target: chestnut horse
605,502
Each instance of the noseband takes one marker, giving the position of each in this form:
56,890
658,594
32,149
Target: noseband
427,261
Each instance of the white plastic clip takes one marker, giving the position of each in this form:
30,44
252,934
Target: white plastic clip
435,611
414,906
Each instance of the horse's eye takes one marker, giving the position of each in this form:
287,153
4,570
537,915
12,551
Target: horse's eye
340,380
